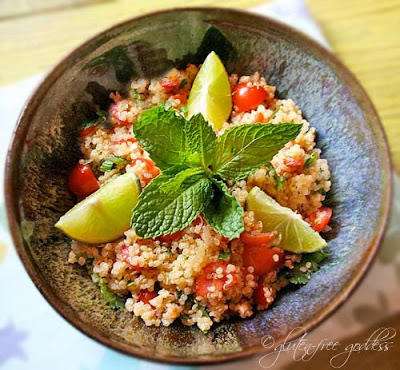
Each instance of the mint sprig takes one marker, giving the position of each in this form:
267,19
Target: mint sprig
195,162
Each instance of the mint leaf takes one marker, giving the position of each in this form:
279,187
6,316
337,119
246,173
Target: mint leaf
201,141
161,134
160,213
244,149
174,183
224,213
114,300
301,273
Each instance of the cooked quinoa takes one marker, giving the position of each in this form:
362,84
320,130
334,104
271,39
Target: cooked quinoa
134,267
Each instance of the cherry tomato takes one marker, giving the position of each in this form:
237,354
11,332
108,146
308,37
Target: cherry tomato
320,219
150,166
115,113
146,296
259,118
170,237
257,238
262,258
181,96
169,83
206,279
87,131
82,181
247,98
294,164
125,257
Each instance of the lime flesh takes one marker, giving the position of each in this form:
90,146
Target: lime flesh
104,215
211,92
297,235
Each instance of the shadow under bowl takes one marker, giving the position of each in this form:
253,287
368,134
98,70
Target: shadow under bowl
44,149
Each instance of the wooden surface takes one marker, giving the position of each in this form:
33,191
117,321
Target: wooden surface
363,33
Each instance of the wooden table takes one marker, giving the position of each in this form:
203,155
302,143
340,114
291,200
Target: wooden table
363,33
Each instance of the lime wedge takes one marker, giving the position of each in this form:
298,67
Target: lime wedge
104,215
297,235
211,92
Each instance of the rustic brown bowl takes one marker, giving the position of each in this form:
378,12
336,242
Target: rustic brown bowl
44,149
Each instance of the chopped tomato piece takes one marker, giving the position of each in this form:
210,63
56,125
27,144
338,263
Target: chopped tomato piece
259,295
115,113
130,140
198,221
87,131
257,238
169,83
150,166
181,96
146,296
82,182
294,164
208,279
262,258
170,237
259,118
247,98
125,257
320,219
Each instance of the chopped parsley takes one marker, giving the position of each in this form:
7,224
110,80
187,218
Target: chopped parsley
101,118
311,159
110,163
183,83
224,256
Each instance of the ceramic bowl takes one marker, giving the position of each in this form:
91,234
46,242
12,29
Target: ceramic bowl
44,149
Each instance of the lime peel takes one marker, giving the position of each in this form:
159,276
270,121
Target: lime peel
104,215
296,234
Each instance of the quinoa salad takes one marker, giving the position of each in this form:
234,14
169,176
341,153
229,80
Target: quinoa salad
201,244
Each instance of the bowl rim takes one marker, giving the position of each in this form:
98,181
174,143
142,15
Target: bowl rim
12,206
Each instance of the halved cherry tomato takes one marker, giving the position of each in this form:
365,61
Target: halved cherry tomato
146,296
82,181
115,113
87,131
320,219
257,238
150,166
181,96
262,258
259,118
125,257
207,279
247,98
170,237
169,83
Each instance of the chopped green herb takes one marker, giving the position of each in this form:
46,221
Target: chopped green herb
205,332
183,109
168,105
205,313
303,270
89,261
311,159
101,119
317,182
183,83
321,191
137,95
279,180
110,162
224,256
114,300
179,293
131,283
276,111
